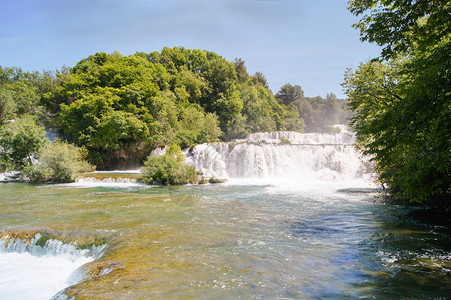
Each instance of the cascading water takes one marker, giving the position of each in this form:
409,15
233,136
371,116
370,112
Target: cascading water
281,154
23,262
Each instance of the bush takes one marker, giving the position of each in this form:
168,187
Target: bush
20,139
169,168
58,162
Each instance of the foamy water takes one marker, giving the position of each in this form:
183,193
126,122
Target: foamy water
31,271
26,276
90,182
329,157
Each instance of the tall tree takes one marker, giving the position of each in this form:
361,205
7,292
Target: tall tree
402,26
402,108
289,94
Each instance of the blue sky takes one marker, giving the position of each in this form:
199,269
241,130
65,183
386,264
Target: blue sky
304,42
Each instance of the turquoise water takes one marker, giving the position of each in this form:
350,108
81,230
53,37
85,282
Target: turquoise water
239,240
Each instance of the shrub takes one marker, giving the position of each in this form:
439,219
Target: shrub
169,168
58,162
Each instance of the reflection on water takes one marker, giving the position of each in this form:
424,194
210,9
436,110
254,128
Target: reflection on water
231,241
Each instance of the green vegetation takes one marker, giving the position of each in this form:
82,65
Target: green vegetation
169,168
317,113
118,108
20,139
401,102
216,180
124,106
58,162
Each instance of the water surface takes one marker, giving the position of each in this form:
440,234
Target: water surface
239,241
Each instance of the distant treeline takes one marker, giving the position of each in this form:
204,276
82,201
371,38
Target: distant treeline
120,107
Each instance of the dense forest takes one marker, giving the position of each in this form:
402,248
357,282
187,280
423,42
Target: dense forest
117,108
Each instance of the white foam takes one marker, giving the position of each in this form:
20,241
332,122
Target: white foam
25,276
343,138
266,160
132,171
29,271
9,176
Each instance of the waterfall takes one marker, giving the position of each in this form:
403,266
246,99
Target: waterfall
281,154
52,247
32,269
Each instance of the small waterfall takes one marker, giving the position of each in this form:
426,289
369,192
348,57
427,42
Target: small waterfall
281,154
342,138
52,247
10,176
108,180
36,267
126,178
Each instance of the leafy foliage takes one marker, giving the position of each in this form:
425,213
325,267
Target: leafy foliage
119,107
401,26
318,114
58,162
20,140
402,108
169,168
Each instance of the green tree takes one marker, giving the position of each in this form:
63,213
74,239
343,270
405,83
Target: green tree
259,78
20,140
7,106
289,94
258,108
402,26
241,71
402,109
197,127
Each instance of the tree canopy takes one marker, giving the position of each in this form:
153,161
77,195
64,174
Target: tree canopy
402,106
120,107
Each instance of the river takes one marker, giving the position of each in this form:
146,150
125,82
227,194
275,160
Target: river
273,237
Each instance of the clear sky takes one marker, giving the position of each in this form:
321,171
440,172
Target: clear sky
304,42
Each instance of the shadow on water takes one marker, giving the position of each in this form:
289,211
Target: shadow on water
415,251
389,252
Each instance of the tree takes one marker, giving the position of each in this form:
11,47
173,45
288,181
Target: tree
197,127
259,78
241,71
7,106
402,26
289,94
20,139
402,107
